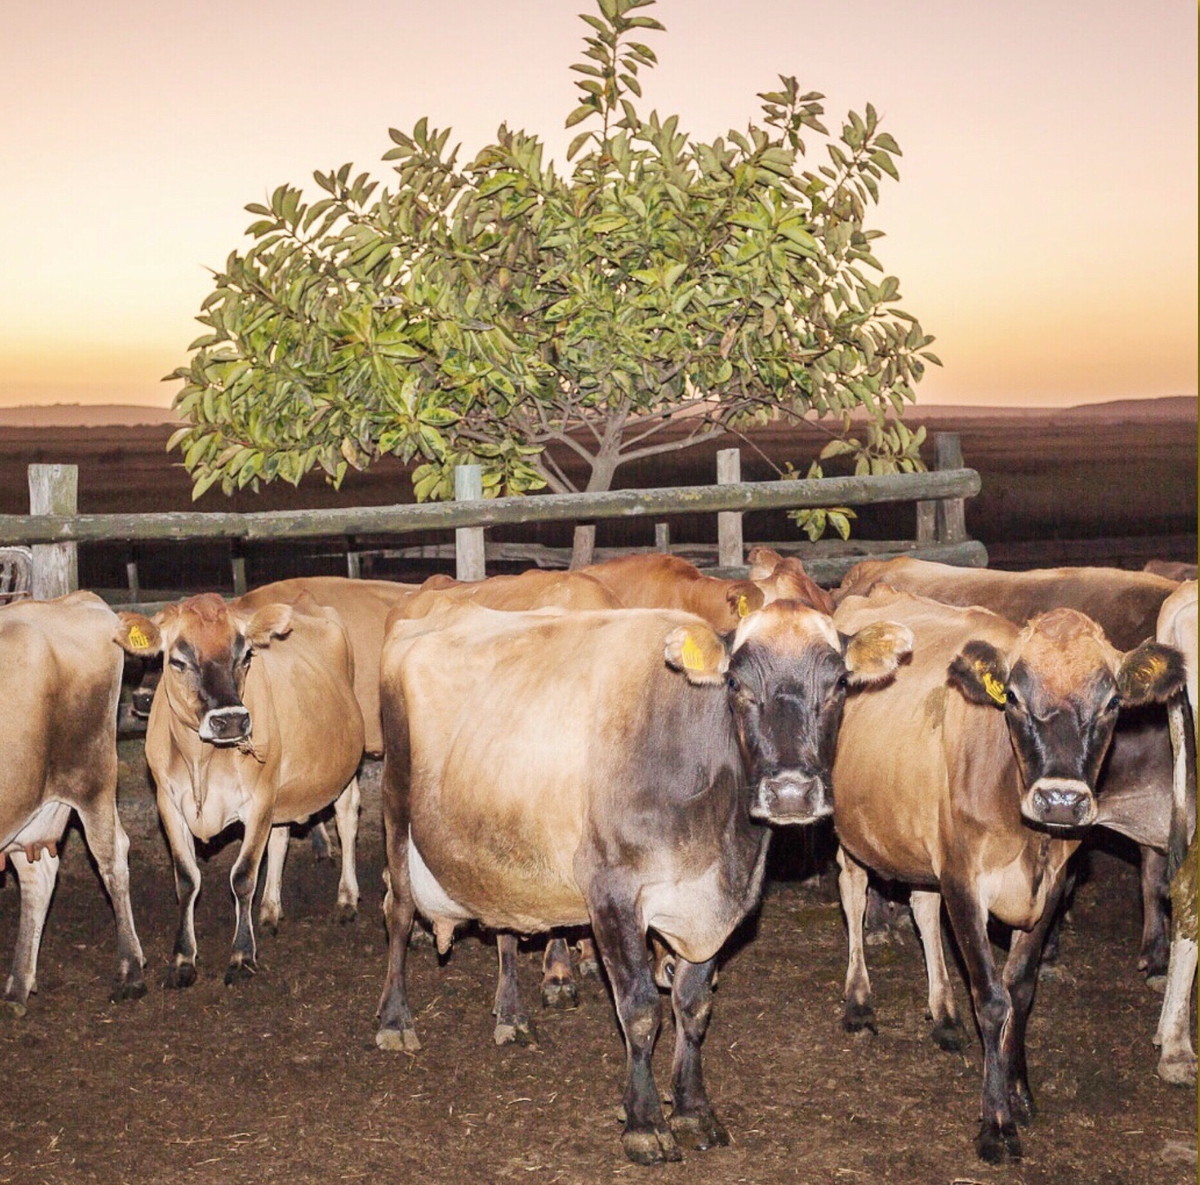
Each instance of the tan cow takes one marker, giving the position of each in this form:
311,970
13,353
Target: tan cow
254,721
1177,626
1135,793
616,769
58,732
958,778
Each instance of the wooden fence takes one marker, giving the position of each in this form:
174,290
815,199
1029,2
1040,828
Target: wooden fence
54,529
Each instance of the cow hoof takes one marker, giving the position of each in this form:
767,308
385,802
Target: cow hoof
1157,982
950,1036
699,1133
419,936
518,1031
398,1040
127,990
650,1147
14,1008
998,1144
268,926
589,969
560,994
180,975
345,913
239,971
859,1018
1178,1071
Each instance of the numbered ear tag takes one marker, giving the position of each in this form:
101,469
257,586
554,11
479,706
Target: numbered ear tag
994,688
743,606
692,655
138,639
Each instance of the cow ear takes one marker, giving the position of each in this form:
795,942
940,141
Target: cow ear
138,635
698,653
271,621
874,653
744,598
763,561
980,672
1152,672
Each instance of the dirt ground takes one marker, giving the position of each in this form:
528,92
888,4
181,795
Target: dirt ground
280,1080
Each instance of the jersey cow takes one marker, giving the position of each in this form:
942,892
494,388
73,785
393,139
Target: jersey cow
615,769
58,732
969,778
254,721
1135,788
1177,1058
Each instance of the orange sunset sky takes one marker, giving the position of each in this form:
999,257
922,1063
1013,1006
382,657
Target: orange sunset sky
1044,228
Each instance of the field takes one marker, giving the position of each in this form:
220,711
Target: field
279,1079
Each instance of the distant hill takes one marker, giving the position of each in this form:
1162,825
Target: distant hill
85,415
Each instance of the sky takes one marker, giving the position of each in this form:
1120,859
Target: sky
1044,229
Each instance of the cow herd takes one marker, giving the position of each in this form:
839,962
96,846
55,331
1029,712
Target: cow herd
611,748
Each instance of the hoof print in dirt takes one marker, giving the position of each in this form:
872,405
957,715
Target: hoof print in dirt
398,1040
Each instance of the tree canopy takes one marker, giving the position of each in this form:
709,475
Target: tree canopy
481,312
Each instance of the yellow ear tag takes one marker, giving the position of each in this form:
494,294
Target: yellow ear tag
692,655
743,605
994,688
138,639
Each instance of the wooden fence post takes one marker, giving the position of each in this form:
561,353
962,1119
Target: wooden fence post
729,522
470,556
951,512
662,537
54,489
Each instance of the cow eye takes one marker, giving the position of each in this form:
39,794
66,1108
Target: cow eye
732,683
247,657
843,682
1012,700
176,664
1113,704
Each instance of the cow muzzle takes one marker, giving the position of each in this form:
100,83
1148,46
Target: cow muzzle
1060,802
225,726
792,798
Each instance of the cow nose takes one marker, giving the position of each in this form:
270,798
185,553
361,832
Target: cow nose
225,726
1060,802
792,797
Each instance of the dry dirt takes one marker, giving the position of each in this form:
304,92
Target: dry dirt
279,1079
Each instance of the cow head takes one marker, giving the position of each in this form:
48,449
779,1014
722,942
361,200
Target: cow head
786,672
206,647
1061,689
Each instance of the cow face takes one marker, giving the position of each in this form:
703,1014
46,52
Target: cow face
786,672
1061,689
207,650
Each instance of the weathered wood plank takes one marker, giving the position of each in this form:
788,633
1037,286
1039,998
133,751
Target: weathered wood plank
406,519
471,556
54,489
730,549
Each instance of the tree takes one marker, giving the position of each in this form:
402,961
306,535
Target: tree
479,313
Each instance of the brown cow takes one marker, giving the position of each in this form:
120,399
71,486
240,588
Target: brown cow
545,770
958,778
1177,627
1135,795
254,720
58,732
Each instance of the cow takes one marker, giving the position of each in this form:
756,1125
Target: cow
58,731
1171,569
1135,798
617,769
254,720
1177,1059
970,777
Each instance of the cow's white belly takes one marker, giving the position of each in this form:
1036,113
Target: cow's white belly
45,825
694,915
431,899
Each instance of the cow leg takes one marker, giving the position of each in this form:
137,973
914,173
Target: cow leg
1156,941
322,847
558,983
693,1120
396,1030
182,972
948,1032
109,845
589,961
513,1026
37,878
270,911
622,944
997,1139
1177,1058
243,878
346,809
857,1013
